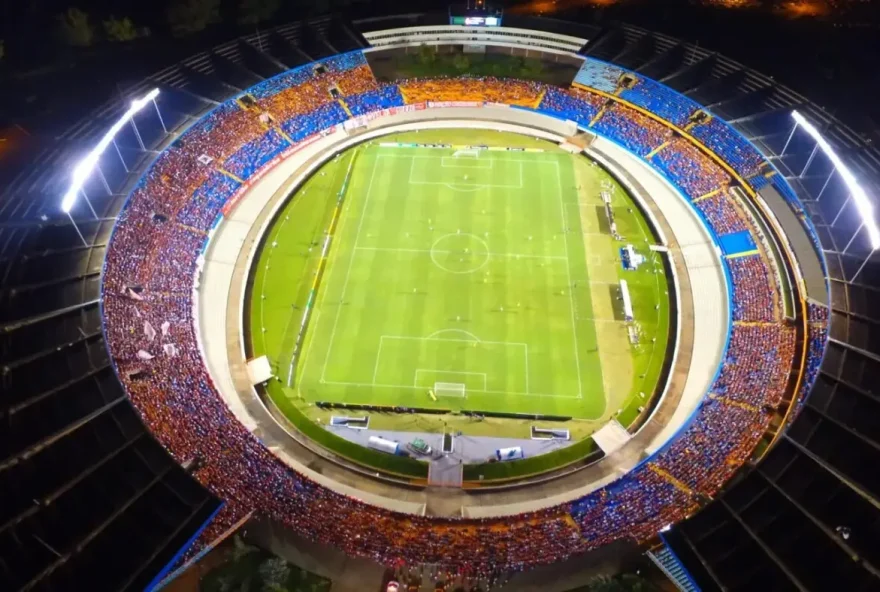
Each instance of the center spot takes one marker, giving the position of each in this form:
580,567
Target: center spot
460,253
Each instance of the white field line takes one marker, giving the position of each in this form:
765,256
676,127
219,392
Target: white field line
378,356
494,159
485,392
456,160
348,272
311,339
446,252
527,368
416,378
647,234
516,343
568,274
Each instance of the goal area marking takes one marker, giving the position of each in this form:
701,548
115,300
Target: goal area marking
432,371
449,389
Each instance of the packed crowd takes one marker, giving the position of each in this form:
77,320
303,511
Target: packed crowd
302,126
637,505
297,76
636,132
713,446
732,147
690,168
816,342
148,287
384,97
721,214
661,100
477,88
254,154
754,298
756,369
204,207
575,105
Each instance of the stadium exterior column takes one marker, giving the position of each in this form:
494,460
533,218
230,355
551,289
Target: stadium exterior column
137,134
843,207
162,121
88,203
790,136
862,266
122,160
809,160
103,179
75,227
827,181
855,234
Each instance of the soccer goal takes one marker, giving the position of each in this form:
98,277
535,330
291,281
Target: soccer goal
449,389
466,153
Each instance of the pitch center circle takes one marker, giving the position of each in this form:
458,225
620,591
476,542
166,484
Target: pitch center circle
460,252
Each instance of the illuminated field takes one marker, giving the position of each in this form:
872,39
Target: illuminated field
496,272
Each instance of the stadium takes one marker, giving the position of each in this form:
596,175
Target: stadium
463,300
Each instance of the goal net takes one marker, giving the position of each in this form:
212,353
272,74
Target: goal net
449,389
466,153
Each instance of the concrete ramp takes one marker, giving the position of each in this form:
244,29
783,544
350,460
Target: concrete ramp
446,471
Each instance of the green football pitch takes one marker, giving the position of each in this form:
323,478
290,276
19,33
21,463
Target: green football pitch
485,281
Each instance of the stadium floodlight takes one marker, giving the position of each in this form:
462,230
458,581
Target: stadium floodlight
86,166
863,204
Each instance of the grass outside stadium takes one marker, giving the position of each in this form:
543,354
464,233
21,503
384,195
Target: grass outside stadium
492,271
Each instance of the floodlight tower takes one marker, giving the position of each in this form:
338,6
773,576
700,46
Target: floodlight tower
91,162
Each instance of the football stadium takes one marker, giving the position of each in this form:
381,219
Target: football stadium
445,301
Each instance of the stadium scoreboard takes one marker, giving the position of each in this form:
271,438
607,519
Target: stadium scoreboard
476,21
474,14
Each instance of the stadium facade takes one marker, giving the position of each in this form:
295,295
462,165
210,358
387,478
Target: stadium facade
81,473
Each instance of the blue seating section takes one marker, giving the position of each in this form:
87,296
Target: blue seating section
253,155
599,75
633,136
661,100
303,126
207,201
297,76
345,61
375,100
732,147
559,103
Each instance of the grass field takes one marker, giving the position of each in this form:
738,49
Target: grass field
496,272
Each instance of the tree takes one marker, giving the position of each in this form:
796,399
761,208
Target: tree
427,54
253,12
274,572
532,69
618,583
191,16
461,62
120,30
75,28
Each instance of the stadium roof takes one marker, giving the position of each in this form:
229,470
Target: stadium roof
79,473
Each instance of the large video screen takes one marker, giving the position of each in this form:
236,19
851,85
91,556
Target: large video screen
476,21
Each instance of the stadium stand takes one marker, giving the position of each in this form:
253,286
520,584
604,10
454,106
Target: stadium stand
730,146
636,132
754,298
689,168
149,274
479,89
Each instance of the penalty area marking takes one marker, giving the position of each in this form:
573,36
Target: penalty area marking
408,387
525,347
458,163
464,186
458,372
